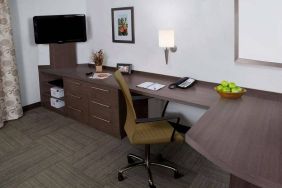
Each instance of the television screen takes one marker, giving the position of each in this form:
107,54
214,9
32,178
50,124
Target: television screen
59,29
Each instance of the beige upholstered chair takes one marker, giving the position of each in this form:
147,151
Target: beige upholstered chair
147,132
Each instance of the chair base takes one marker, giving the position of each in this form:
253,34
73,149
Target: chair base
136,161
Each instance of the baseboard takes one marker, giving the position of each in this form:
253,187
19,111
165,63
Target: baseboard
31,106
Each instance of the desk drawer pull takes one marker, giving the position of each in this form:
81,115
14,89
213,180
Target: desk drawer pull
95,117
96,88
76,83
74,96
94,102
74,109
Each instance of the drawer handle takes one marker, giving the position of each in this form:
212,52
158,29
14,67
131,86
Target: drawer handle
74,109
76,83
94,102
74,96
101,119
104,90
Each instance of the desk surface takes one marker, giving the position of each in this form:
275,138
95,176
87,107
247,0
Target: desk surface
244,136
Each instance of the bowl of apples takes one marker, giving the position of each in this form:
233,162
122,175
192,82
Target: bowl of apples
230,90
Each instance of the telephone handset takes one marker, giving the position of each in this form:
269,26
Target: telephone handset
182,83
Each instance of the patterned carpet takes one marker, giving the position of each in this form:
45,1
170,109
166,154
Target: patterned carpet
45,149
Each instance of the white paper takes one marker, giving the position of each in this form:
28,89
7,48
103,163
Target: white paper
145,84
100,76
151,86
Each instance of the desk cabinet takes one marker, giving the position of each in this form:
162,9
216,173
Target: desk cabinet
93,104
103,108
96,105
76,100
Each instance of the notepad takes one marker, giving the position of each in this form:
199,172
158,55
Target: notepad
151,86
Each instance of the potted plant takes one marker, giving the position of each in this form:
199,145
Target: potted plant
98,59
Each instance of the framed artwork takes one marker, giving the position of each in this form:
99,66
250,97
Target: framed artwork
124,68
123,25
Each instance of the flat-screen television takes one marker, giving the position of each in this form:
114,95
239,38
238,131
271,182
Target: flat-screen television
59,28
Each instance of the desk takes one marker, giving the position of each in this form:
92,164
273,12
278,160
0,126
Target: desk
243,137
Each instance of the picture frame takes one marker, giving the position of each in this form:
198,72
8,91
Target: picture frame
123,25
124,68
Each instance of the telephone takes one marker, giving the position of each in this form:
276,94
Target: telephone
182,83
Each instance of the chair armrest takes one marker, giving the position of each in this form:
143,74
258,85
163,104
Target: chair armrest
147,120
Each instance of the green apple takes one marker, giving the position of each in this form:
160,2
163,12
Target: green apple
235,90
224,83
232,85
219,88
226,89
239,89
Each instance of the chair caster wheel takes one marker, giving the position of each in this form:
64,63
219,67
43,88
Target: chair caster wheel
177,175
130,160
152,185
120,177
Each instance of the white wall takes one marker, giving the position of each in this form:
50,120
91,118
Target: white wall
204,35
204,32
30,55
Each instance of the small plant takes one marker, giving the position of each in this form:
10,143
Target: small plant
98,57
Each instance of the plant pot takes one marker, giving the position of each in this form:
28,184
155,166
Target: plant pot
99,68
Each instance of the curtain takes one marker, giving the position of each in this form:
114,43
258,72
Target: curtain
10,104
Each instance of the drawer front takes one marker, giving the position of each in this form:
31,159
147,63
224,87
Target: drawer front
74,87
76,101
75,113
76,107
100,123
102,94
101,110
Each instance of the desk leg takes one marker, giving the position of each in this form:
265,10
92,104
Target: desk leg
236,182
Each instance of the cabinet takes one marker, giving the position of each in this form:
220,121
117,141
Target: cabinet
103,108
96,105
76,100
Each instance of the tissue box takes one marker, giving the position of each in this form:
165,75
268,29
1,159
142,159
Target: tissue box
57,92
57,103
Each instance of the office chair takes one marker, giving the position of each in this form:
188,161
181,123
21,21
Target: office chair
145,131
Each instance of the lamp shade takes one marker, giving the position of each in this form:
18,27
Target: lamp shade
166,38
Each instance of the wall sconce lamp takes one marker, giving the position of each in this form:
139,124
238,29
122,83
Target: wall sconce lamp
166,41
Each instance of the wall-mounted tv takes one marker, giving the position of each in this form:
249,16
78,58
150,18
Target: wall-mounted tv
59,28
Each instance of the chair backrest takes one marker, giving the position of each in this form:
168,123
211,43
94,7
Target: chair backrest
130,124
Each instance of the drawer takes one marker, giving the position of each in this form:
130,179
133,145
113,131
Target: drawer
76,101
102,94
100,123
74,87
99,109
75,113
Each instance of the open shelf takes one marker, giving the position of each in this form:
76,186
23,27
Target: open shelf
47,81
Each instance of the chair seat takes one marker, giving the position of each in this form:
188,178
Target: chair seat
159,132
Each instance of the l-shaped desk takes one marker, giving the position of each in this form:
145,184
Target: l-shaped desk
243,137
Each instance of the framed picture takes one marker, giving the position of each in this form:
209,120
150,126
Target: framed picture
123,25
124,68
